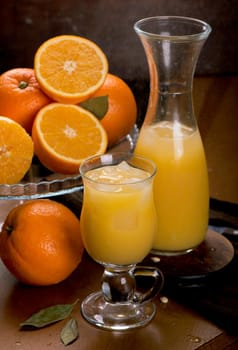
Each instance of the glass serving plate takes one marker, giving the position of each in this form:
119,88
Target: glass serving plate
39,182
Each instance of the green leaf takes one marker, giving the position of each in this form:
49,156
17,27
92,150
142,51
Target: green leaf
49,315
96,105
69,332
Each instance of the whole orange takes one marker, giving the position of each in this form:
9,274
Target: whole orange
21,96
122,108
40,242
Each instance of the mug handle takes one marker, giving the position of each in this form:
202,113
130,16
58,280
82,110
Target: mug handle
149,282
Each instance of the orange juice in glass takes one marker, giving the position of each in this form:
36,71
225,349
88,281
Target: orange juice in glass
181,185
118,224
118,215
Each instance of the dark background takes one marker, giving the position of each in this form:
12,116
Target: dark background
25,24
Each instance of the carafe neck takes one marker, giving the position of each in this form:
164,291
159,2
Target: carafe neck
172,46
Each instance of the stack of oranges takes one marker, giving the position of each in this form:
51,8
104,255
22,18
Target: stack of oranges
48,102
65,109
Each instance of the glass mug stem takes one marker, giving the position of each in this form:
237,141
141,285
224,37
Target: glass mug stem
121,285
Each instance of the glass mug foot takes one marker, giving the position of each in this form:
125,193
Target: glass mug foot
97,311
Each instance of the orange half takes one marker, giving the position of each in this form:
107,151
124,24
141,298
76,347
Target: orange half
70,68
64,135
16,151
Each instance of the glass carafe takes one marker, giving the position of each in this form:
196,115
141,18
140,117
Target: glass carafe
169,134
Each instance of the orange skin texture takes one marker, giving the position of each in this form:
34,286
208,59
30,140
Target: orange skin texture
21,96
122,108
40,242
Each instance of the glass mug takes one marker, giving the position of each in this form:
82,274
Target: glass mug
118,223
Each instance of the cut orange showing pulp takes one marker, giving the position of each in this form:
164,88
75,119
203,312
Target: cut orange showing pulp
64,135
16,151
70,68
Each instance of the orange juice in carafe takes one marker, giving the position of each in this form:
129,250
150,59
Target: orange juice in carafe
181,184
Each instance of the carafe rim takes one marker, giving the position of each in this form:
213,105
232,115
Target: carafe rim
205,29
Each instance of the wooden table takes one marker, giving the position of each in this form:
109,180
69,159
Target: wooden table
179,324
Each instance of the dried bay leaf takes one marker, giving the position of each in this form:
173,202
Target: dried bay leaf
97,105
49,315
69,332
